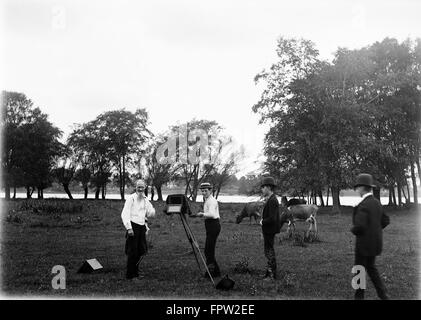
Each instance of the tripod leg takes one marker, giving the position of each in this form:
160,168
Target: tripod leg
189,237
193,242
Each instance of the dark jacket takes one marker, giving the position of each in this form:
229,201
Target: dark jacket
270,217
368,221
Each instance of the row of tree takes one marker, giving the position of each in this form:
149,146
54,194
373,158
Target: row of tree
331,120
116,146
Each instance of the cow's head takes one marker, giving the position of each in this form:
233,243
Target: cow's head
285,216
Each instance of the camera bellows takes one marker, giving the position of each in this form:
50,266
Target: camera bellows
90,266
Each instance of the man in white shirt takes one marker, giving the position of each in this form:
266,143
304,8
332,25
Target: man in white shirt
212,226
134,216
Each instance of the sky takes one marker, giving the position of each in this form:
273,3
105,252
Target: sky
178,59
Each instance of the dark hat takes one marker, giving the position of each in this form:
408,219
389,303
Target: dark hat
225,284
268,181
364,179
206,185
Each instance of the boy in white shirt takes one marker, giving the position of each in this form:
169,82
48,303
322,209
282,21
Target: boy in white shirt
212,226
134,216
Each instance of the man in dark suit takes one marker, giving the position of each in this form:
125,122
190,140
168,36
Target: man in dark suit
369,220
270,225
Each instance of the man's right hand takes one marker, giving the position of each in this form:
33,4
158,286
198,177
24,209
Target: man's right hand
130,232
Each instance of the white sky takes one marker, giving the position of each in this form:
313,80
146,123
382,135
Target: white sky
178,59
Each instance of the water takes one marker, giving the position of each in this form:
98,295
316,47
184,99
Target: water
345,200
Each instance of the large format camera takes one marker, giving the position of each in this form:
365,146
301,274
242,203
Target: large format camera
177,203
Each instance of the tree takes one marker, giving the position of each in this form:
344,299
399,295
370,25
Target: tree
88,144
125,133
65,169
249,185
30,144
16,111
83,175
159,173
225,159
196,170
330,121
39,149
394,111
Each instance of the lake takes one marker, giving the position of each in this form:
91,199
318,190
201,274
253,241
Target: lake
345,200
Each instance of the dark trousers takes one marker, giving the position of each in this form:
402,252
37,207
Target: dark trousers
269,239
136,247
369,264
213,228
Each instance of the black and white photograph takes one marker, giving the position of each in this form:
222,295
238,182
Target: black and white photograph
224,151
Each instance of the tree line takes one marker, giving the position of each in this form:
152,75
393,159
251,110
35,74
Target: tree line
330,120
117,146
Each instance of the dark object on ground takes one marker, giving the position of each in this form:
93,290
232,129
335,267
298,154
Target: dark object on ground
225,284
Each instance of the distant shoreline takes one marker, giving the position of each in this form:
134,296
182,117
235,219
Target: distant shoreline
345,200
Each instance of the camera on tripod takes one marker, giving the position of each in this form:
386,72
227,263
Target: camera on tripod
177,203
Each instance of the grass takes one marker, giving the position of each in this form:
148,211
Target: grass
33,241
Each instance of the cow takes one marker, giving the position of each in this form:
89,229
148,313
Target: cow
250,210
299,212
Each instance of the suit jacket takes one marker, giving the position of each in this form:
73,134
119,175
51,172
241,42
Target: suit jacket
270,216
369,220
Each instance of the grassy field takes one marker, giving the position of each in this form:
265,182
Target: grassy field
36,235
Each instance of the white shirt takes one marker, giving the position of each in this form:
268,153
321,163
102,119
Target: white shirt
211,208
136,210
363,197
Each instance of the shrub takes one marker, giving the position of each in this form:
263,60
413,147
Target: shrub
40,206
